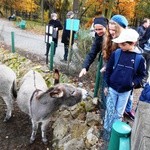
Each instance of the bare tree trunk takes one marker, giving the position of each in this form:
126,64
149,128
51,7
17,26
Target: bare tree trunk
42,12
110,8
103,8
107,12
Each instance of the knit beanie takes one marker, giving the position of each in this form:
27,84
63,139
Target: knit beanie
121,20
102,21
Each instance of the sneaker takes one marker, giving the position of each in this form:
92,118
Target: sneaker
130,114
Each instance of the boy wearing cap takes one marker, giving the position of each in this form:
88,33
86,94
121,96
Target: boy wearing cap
122,78
117,24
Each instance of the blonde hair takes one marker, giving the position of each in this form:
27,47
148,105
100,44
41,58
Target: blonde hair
108,45
118,28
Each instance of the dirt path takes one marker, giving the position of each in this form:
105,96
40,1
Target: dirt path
15,134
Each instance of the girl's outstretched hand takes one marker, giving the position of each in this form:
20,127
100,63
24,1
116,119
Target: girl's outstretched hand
83,72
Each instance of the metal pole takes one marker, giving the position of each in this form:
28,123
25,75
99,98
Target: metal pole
12,42
70,44
97,82
51,56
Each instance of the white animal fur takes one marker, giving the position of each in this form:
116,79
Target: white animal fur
40,105
7,88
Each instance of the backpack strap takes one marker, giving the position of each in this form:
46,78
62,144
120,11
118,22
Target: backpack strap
117,56
137,61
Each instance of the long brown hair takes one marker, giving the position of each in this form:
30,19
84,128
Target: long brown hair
108,45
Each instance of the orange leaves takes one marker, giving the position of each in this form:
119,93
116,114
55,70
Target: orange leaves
126,8
21,5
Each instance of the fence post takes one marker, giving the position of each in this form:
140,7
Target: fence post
120,130
12,42
97,82
51,56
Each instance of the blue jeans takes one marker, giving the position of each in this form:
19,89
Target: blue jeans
129,103
115,107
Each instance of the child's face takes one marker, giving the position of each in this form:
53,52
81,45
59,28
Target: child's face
99,29
127,46
112,30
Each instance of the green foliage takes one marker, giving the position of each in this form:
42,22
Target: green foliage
22,65
84,42
142,9
36,27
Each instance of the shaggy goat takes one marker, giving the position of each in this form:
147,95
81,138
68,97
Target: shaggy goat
7,88
39,102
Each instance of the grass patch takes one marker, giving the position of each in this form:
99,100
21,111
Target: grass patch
36,27
33,26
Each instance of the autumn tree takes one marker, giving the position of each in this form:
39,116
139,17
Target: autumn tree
142,9
87,9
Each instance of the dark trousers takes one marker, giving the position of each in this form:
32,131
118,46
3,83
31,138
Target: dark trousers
66,49
146,55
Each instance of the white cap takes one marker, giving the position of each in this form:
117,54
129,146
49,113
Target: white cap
127,35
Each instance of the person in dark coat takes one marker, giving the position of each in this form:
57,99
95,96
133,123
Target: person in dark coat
100,27
56,24
66,36
12,17
145,94
145,38
142,28
144,43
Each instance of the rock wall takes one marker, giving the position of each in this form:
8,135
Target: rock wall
140,135
78,130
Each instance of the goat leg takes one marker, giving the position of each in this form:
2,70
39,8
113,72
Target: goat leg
34,131
8,100
32,138
44,139
43,130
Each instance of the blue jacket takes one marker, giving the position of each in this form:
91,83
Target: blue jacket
145,38
141,30
145,95
123,75
95,49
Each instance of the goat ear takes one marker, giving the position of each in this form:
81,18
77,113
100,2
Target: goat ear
56,76
57,93
42,94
